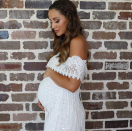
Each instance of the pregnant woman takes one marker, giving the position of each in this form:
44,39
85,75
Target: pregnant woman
67,66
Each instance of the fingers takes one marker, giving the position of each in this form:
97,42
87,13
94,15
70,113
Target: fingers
41,106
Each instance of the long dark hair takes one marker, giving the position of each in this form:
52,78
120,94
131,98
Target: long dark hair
62,43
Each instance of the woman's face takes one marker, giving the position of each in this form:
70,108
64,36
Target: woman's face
58,22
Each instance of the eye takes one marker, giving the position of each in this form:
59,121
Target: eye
57,21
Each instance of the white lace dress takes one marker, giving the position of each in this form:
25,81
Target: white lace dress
63,109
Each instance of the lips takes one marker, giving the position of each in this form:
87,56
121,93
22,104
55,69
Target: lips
56,31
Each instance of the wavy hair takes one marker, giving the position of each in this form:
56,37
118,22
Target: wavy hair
62,43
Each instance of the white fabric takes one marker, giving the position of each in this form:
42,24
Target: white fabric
63,109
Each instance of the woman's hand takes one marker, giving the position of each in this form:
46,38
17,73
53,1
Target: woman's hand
47,72
40,106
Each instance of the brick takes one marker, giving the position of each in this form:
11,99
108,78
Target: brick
9,45
124,114
84,15
125,35
33,45
116,65
119,6
92,86
4,117
32,87
130,25
24,117
40,77
91,24
35,24
116,124
130,65
94,44
21,14
125,15
22,77
125,95
34,126
76,3
104,15
114,25
4,35
37,4
11,4
86,34
3,14
93,124
130,123
116,104
104,76
103,95
102,115
105,55
125,76
27,106
23,97
12,24
92,5
125,130
22,55
115,45
46,34
96,65
35,107
102,130
10,87
42,14
3,55
43,56
35,66
23,34
103,35
10,126
126,55
11,107
87,115
85,95
3,97
131,103
42,116
92,105
2,77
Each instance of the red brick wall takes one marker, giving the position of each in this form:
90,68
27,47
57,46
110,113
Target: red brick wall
25,42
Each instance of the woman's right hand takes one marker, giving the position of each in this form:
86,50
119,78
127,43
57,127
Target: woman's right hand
40,106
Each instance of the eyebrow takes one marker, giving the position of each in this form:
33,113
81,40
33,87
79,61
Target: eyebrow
54,18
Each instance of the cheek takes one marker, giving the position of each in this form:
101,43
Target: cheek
63,24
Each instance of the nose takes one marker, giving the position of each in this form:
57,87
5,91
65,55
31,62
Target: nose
53,26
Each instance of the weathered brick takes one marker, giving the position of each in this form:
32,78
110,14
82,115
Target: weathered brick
11,4
115,45
24,117
3,55
92,105
103,95
105,55
22,55
116,104
33,45
4,97
125,95
126,55
92,5
34,66
21,14
46,34
104,76
11,107
125,35
104,15
125,75
12,24
130,123
35,107
4,35
3,14
40,76
10,126
9,45
124,114
125,15
34,126
76,3
91,24
22,77
114,25
96,65
86,34
10,87
4,117
116,124
42,116
130,25
87,115
102,115
35,24
32,87
42,14
94,44
92,86
37,4
125,130
27,106
130,65
2,77
93,124
23,34
43,56
103,35
85,95
84,15
23,97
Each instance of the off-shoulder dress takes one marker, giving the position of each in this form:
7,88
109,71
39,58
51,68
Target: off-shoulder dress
63,109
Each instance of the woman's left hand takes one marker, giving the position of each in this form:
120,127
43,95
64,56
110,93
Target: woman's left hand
47,73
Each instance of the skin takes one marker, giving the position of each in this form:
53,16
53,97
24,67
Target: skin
78,46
